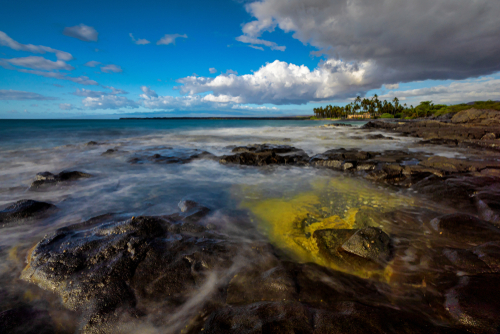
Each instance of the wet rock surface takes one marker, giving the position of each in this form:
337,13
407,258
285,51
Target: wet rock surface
23,210
117,272
171,156
465,129
263,155
26,320
45,180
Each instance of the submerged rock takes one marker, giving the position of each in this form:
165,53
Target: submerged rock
465,229
25,209
46,179
368,247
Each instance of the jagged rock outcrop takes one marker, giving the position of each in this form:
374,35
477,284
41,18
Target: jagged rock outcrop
46,179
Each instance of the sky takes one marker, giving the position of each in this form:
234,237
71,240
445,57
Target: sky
86,59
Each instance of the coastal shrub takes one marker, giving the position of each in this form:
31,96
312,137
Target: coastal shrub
386,116
398,115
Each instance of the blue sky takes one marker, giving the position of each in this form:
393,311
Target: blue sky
226,57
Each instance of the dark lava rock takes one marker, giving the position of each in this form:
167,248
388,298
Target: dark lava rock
265,148
263,155
368,247
46,179
110,151
92,143
100,268
378,136
475,302
467,129
25,209
489,253
26,320
464,229
174,157
293,317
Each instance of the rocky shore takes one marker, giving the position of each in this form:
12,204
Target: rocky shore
194,272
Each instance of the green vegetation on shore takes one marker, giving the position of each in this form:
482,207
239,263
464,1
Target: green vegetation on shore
393,109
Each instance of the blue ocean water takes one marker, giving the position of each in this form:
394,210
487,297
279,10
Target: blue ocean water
48,133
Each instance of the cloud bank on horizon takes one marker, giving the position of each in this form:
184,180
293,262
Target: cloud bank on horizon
310,51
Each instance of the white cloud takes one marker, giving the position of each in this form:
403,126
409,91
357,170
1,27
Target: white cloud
92,93
5,40
231,72
83,80
284,83
82,32
111,69
222,98
261,108
212,70
256,47
480,89
148,92
170,39
109,102
66,106
253,40
92,63
139,41
9,94
39,63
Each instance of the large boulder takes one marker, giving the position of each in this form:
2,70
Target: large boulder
25,209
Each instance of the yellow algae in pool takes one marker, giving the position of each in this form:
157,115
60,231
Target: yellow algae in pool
329,203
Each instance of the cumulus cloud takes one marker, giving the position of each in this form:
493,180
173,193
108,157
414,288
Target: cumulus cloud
92,63
480,89
261,108
39,63
109,102
283,83
212,70
82,32
139,41
148,92
170,39
66,106
5,40
111,69
9,94
258,41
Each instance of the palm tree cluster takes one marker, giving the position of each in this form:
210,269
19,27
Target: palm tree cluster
372,106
